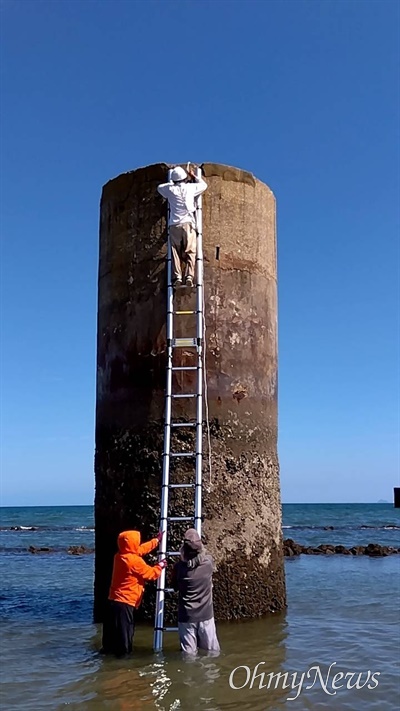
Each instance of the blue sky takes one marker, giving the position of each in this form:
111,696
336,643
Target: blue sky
305,94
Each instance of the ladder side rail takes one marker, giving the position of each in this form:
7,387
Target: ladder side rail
199,262
199,445
160,597
159,617
200,334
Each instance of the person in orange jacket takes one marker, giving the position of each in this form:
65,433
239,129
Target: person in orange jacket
130,573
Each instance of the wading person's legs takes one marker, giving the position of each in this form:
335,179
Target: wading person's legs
109,630
125,627
188,637
207,636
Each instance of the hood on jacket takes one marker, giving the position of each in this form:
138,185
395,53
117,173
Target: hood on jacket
192,541
192,551
129,542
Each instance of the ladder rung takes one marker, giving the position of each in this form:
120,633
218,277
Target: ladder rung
170,629
182,454
180,518
173,553
182,342
184,395
181,486
184,367
183,424
181,313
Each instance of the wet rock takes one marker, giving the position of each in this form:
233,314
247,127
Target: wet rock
326,548
374,550
79,550
291,548
71,550
342,550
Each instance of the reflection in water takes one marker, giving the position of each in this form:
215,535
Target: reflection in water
169,681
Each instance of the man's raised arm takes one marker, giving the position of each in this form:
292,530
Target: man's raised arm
163,189
199,184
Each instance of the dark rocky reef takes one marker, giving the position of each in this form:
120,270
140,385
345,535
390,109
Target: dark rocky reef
71,550
291,548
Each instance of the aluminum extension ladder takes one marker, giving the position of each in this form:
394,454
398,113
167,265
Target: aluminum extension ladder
195,340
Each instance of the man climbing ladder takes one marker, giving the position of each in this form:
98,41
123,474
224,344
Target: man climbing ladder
181,196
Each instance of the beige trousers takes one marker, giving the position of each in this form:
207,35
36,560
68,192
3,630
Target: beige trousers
183,248
202,635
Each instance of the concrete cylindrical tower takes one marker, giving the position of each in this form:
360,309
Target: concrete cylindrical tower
241,501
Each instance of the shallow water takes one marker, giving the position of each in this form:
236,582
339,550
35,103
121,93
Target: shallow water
342,610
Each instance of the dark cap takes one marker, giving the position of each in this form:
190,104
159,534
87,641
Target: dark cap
192,540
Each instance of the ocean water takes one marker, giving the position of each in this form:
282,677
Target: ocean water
342,618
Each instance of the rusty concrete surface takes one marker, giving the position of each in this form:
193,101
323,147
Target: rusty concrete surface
242,509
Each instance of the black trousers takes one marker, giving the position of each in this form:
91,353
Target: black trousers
118,628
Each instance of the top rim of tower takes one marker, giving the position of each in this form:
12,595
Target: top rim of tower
156,172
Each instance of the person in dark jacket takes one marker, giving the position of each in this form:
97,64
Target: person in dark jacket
192,578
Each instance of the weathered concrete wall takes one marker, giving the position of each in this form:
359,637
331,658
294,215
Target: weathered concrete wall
242,509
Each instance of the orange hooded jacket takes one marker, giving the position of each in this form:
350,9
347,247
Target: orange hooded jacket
130,572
